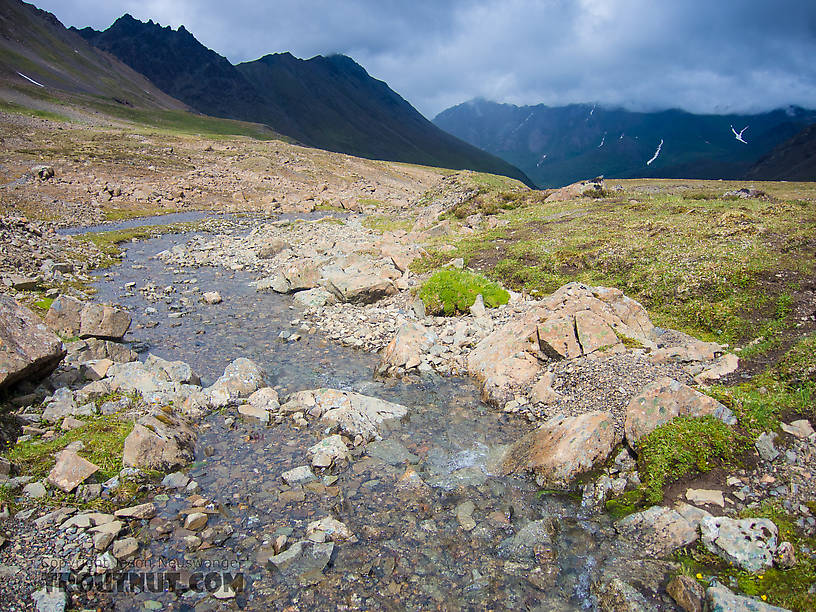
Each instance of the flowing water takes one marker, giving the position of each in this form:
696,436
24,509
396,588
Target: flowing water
412,551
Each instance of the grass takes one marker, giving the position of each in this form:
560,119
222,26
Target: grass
684,446
104,439
706,266
384,223
365,202
454,291
787,588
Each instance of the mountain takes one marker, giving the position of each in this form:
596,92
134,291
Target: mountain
793,160
39,54
556,146
326,102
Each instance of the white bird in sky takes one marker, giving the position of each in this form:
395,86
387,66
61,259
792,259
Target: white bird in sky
738,136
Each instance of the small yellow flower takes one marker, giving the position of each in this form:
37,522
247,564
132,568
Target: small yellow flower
699,576
761,576
764,597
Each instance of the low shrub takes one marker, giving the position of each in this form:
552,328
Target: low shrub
454,291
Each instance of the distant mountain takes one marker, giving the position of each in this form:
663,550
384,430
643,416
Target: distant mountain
326,102
793,160
37,51
556,146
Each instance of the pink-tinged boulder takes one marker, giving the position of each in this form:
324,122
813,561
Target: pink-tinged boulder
563,448
28,349
64,315
159,441
665,399
70,471
557,340
103,322
594,333
407,347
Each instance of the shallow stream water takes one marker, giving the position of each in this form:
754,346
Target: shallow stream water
412,552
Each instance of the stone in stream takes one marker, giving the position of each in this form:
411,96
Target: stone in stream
195,521
125,549
241,378
142,511
103,322
298,476
390,451
663,400
28,349
720,599
328,451
302,563
521,546
176,480
750,543
563,448
64,315
355,414
331,527
407,347
70,471
159,441
211,297
314,298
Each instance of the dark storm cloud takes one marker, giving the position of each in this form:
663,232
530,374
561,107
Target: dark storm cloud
700,55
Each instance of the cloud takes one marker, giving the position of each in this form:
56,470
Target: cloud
700,55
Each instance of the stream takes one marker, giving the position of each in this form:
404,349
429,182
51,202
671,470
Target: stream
412,549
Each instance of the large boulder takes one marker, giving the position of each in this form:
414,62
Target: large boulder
241,378
406,348
159,441
28,349
663,400
355,414
563,448
359,283
104,322
65,315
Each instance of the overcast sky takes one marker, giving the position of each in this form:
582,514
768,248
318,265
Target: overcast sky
700,55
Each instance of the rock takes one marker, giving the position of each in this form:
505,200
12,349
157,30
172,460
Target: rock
241,378
302,275
176,480
106,562
254,411
266,398
357,286
103,322
557,340
272,248
330,526
125,549
28,349
785,556
142,511
298,476
798,429
195,521
725,365
563,448
478,309
391,452
43,172
211,297
34,490
276,283
328,451
64,315
703,497
720,599
354,413
658,531
62,404
591,188
302,563
173,371
49,599
314,298
94,348
747,543
663,400
70,471
687,592
407,347
96,369
620,596
593,333
521,546
765,446
159,442
542,391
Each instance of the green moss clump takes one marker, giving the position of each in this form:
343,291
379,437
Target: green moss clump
686,445
798,366
454,291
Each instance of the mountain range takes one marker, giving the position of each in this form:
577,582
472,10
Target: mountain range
326,102
555,146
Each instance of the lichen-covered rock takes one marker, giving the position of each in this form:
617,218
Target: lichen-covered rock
657,531
28,349
749,543
720,599
103,322
563,448
663,400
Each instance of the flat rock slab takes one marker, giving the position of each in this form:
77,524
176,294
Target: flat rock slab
302,563
658,531
749,543
28,349
665,399
70,471
720,599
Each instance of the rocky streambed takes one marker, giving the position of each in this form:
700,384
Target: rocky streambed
303,470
